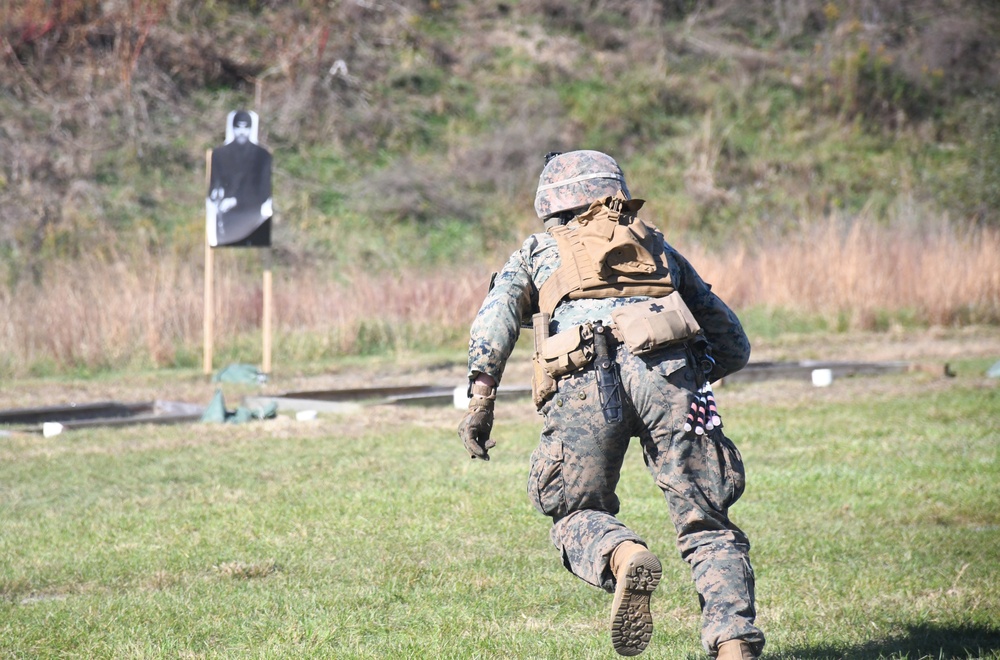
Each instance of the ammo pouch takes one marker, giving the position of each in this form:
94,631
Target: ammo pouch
652,324
560,354
568,351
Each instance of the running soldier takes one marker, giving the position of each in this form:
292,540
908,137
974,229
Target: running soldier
628,339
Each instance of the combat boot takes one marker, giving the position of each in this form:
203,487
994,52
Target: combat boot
637,572
735,649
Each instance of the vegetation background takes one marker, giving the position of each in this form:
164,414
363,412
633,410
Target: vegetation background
827,165
832,167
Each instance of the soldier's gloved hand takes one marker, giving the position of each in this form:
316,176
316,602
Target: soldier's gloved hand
478,422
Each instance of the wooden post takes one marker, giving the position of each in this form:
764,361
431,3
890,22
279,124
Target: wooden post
209,284
266,321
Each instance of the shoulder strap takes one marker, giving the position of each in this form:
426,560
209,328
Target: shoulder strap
567,276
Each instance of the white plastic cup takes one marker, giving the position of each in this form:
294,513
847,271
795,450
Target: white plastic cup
822,377
50,429
305,415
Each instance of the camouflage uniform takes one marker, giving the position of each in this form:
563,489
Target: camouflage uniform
576,467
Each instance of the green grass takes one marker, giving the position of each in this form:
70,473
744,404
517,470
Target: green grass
872,507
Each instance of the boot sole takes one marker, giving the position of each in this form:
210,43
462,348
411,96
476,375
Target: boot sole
631,618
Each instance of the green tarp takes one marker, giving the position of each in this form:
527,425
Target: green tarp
216,412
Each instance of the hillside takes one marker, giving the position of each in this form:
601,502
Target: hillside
426,121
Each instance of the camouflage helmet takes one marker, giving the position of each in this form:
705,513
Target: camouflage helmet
576,178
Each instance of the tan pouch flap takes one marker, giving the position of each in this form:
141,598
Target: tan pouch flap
616,248
568,351
652,324
562,343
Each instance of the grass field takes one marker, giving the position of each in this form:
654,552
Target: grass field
873,507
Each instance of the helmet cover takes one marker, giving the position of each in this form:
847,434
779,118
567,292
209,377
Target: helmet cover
575,179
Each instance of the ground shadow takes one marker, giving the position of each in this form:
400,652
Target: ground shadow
923,641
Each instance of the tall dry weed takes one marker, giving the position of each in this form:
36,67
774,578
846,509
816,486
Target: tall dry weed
148,311
854,270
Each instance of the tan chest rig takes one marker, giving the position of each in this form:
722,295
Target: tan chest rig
606,252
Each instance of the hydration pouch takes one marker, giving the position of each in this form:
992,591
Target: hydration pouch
652,324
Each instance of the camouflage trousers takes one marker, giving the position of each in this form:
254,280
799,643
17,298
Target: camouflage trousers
576,468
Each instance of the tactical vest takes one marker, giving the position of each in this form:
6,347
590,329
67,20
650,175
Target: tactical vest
606,252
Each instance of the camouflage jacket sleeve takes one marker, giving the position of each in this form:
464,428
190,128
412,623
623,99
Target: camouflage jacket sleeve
730,346
508,304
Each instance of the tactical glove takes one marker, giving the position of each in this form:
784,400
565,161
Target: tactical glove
478,422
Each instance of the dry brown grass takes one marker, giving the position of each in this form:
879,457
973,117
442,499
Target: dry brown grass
90,313
857,272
